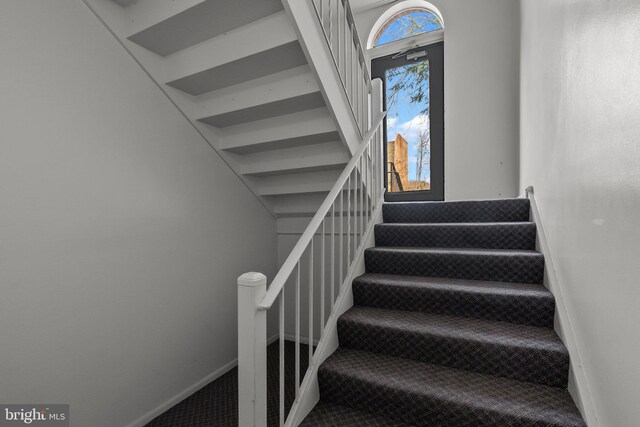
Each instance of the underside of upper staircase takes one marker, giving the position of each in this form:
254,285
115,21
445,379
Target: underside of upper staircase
238,72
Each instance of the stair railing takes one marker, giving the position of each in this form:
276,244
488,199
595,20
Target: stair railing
338,25
331,241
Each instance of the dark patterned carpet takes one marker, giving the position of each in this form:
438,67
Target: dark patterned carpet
451,326
472,264
490,235
525,304
216,405
428,395
504,210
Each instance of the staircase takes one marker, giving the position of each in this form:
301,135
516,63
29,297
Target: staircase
451,326
237,71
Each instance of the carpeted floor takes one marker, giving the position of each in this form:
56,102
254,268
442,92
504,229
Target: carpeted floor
216,405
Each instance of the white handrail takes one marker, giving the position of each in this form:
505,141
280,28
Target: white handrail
294,257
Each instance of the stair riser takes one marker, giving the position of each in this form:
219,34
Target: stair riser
325,415
548,366
507,210
494,236
415,408
499,268
524,310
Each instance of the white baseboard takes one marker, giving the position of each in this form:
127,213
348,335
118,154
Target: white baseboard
168,404
184,394
303,340
578,384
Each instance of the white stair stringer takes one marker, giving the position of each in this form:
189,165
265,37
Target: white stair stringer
238,72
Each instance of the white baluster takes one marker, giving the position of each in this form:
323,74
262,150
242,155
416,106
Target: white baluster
281,370
361,211
298,330
310,301
349,221
340,278
333,254
322,288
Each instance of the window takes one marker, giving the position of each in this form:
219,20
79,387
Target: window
407,23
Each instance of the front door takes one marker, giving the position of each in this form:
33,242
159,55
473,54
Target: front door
414,126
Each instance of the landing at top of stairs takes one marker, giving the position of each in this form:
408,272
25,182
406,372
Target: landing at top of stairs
500,210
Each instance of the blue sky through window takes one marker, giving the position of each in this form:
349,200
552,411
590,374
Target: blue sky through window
408,24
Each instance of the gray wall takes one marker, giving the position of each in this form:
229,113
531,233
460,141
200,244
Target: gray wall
481,61
121,232
580,104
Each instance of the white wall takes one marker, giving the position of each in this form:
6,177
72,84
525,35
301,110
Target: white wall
481,61
580,129
121,232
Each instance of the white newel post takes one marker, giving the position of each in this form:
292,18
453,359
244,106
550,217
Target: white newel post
252,351
376,97
377,107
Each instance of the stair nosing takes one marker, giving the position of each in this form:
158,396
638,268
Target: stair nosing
464,284
552,340
463,372
462,201
438,391
355,411
454,224
479,251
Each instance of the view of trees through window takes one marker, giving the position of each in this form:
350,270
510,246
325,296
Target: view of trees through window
407,95
408,128
407,23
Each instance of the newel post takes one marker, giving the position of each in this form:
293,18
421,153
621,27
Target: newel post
252,351
377,107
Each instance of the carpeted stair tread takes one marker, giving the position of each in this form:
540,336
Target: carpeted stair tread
527,304
502,210
451,325
500,265
520,352
422,394
327,414
488,235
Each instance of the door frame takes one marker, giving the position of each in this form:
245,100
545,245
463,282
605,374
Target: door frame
436,117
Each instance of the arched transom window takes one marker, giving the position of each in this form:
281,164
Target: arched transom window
407,23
